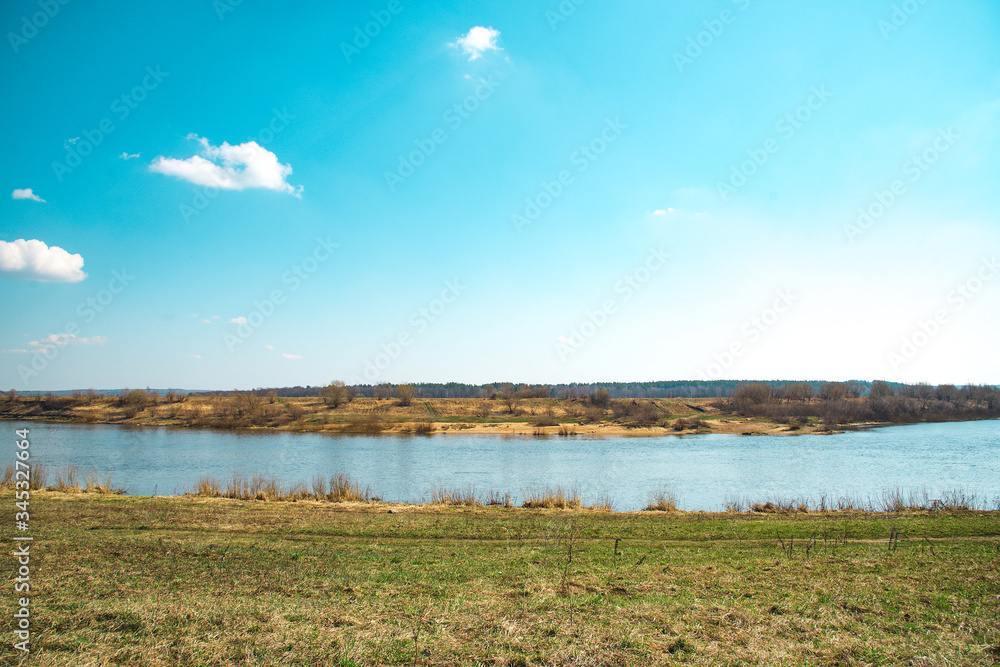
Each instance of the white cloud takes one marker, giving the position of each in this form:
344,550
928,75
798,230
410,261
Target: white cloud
73,140
285,355
268,347
195,356
238,167
206,321
34,260
129,156
25,193
478,41
673,212
238,320
16,351
59,340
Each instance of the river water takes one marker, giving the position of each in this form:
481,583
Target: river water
702,470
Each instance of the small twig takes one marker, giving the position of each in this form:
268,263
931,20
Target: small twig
617,540
931,547
416,643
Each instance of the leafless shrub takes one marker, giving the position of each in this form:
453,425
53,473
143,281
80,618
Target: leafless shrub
662,500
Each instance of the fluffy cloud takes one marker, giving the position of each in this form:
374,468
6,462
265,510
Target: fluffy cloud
238,320
25,193
238,167
129,156
58,340
33,260
478,41
285,355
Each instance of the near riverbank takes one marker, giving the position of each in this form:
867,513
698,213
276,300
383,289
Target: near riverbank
155,581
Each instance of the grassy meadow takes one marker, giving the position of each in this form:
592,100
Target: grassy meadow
215,581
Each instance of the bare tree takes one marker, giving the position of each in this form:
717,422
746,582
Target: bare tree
601,398
880,389
833,391
404,393
335,394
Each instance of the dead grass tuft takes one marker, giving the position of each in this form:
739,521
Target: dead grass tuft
458,497
558,498
662,500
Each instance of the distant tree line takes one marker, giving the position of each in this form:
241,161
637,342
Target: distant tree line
851,402
740,395
616,390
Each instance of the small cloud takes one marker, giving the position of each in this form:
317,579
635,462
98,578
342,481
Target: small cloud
73,140
673,212
195,356
238,320
34,260
25,193
268,347
239,167
129,156
206,321
285,355
16,351
478,41
64,340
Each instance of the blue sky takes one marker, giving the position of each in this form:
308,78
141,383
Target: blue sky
238,195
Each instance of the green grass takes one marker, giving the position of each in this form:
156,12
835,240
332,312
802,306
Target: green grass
164,581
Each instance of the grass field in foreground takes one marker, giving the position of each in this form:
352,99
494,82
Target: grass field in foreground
190,581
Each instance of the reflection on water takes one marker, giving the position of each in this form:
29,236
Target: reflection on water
703,470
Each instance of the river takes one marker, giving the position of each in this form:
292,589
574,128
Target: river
702,470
